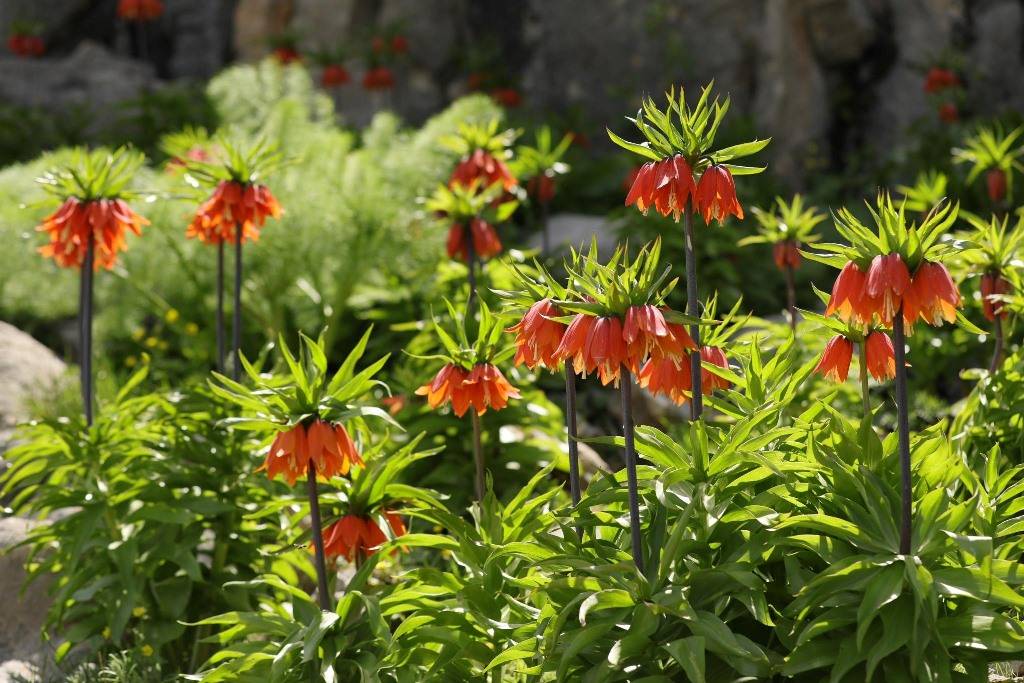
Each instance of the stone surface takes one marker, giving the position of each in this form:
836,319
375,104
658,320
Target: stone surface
22,651
27,368
827,79
576,230
91,77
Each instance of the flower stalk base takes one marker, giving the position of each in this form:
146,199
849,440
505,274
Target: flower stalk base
220,308
570,424
478,456
236,312
692,309
903,429
323,592
85,331
626,387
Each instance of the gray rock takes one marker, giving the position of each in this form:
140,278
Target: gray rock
22,650
27,368
91,77
996,57
576,230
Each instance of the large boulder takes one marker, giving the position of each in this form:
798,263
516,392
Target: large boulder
23,653
92,78
27,370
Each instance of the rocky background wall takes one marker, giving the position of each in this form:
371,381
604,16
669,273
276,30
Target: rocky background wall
823,77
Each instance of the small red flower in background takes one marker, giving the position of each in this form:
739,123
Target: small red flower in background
378,44
475,80
786,255
140,10
538,336
69,228
666,185
334,75
286,54
849,299
399,44
709,380
327,446
394,404
231,205
888,279
835,359
993,284
541,187
507,97
715,196
482,387
485,240
196,153
481,166
948,113
881,357
939,79
378,78
580,139
355,536
932,295
23,45
995,183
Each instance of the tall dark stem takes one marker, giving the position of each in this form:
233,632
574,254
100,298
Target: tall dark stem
220,307
791,297
570,424
478,455
142,44
997,350
693,310
318,540
236,312
865,396
471,266
626,387
542,207
86,327
903,429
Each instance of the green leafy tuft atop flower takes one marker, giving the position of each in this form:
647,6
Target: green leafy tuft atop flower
306,391
688,131
94,174
785,221
472,136
235,161
892,234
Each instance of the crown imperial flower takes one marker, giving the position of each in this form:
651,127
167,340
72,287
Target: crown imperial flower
486,243
358,536
328,447
538,336
835,359
880,356
482,388
231,207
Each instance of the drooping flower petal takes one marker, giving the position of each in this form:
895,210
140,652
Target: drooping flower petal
835,359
